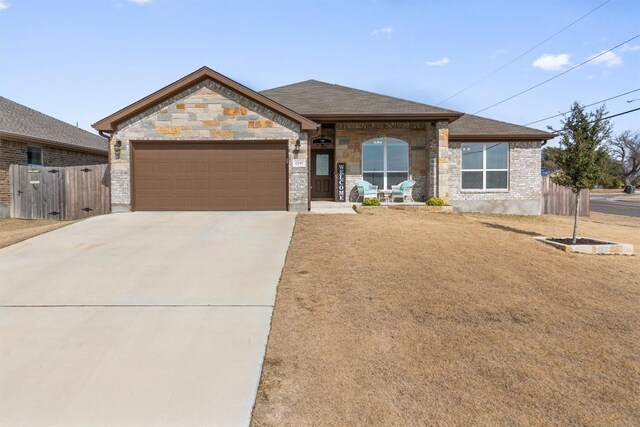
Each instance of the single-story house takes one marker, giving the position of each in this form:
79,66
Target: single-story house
29,137
206,142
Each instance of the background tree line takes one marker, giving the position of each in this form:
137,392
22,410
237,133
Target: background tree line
619,157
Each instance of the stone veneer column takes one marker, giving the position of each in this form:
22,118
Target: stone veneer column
442,132
432,160
299,175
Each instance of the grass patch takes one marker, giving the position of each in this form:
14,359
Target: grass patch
407,318
16,230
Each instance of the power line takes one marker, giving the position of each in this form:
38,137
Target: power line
606,118
558,75
621,114
520,56
590,105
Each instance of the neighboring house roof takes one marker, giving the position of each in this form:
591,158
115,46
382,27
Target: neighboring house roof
109,124
324,101
26,124
470,127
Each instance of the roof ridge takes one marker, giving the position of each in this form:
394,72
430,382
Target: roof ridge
290,84
352,89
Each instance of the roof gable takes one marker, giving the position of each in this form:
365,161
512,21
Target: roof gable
470,127
316,99
19,121
109,124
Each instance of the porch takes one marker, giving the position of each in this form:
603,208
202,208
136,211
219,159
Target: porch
329,207
381,153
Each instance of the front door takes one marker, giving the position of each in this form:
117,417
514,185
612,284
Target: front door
322,175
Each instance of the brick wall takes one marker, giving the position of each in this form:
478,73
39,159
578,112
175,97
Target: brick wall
15,153
10,153
525,184
58,157
208,112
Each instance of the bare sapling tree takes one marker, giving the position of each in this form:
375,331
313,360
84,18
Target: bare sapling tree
624,148
583,156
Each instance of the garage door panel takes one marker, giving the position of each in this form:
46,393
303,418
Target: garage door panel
194,184
209,176
190,202
197,167
239,167
219,167
157,185
155,202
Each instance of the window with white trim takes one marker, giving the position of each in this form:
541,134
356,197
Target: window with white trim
34,156
485,166
385,161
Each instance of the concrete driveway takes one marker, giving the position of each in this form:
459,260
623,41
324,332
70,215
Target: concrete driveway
139,319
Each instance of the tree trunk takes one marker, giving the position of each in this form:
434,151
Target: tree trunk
575,218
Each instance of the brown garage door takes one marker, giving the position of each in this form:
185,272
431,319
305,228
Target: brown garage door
209,176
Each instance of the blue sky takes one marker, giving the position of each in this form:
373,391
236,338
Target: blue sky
82,60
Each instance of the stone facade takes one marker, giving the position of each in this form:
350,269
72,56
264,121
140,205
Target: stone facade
525,184
208,112
15,153
442,185
351,136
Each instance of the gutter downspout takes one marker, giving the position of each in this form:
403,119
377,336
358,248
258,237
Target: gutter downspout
108,138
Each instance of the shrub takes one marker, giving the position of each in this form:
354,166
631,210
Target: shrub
436,201
371,202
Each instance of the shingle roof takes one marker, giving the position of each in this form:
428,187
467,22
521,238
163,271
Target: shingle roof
21,121
315,99
474,126
311,98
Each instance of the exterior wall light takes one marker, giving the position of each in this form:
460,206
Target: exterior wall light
296,148
117,148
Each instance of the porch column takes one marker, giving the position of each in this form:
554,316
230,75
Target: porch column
432,160
442,133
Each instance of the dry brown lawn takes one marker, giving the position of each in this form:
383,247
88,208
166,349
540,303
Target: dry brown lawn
407,318
16,230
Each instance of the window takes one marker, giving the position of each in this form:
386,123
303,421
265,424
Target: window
485,166
34,156
385,162
322,165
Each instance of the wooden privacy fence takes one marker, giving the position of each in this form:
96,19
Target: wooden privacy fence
559,200
64,193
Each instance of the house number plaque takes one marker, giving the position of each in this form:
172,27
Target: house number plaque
342,185
299,163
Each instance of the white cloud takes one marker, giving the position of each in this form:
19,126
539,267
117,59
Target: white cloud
384,30
608,59
498,52
4,5
629,48
551,62
141,1
442,61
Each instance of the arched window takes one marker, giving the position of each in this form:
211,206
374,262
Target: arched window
385,161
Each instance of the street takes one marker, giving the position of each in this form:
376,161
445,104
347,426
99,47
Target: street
616,204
